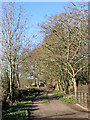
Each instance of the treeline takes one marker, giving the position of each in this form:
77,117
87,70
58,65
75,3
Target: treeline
63,54
61,57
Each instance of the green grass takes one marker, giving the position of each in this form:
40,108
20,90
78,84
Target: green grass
44,96
68,100
45,101
18,111
56,93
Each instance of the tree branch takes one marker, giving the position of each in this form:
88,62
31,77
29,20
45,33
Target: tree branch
79,71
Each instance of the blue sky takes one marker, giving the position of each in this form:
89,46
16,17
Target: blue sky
44,0
37,11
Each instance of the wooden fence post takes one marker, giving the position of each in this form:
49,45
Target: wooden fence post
77,97
80,97
87,100
83,98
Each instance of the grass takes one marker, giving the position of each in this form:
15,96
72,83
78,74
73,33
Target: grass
19,110
56,93
68,100
45,101
44,96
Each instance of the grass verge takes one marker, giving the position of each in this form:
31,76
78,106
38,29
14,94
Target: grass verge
58,93
45,101
44,96
68,100
20,110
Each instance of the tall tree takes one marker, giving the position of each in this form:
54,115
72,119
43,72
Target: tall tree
13,32
66,39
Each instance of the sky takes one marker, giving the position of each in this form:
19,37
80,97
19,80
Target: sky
44,0
37,11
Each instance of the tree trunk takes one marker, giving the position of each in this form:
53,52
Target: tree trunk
61,88
14,73
13,83
18,81
58,87
34,75
66,89
67,83
75,87
35,82
66,86
38,83
10,65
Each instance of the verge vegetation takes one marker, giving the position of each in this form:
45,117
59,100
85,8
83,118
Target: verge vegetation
68,100
20,110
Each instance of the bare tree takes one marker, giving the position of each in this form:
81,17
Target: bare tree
13,29
66,39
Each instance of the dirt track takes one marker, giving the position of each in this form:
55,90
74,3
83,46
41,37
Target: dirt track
55,109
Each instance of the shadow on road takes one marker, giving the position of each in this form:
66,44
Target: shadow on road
46,118
65,116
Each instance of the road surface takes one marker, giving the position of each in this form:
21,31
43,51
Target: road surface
54,110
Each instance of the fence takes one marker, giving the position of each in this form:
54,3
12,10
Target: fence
82,99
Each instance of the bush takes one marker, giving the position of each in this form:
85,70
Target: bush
25,94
